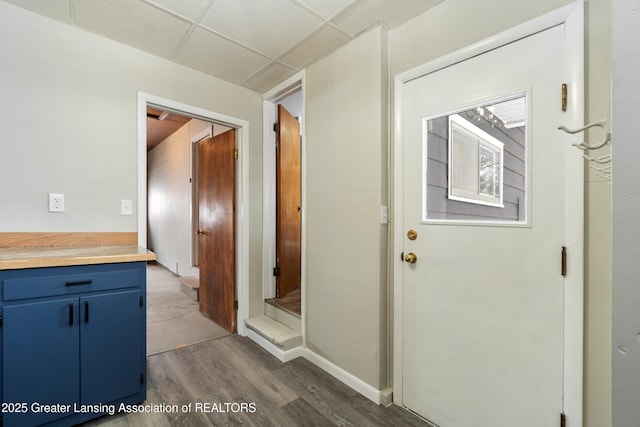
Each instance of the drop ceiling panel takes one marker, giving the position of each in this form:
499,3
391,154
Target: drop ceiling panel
269,27
234,40
132,22
269,77
328,8
192,9
55,9
366,13
316,45
219,57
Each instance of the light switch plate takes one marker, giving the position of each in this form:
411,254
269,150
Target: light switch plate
384,214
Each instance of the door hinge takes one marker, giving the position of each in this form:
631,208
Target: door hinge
276,271
563,261
276,127
563,420
141,379
235,154
1,321
564,97
141,301
235,305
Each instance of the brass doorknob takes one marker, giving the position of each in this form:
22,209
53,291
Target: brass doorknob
411,258
199,231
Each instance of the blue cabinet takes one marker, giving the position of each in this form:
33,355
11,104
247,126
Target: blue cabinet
41,355
111,349
73,339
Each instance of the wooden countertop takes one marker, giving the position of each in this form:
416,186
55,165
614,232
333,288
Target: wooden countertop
17,258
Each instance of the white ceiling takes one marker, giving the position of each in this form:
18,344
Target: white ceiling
253,43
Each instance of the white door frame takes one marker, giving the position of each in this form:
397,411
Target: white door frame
270,116
270,100
572,16
242,187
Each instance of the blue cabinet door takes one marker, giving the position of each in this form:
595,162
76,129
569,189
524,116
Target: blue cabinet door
111,337
41,357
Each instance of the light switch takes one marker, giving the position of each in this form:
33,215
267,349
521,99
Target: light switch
384,215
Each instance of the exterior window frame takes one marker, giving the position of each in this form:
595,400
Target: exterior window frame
480,140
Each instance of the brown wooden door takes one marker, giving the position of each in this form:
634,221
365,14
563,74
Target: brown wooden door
217,243
288,203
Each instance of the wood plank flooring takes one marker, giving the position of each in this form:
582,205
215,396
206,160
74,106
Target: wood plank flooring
291,303
234,373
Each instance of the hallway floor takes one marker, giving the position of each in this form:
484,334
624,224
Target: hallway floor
232,381
229,380
173,318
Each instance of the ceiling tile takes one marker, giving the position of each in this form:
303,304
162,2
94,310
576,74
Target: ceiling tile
55,9
253,43
217,56
327,8
313,47
269,77
269,27
191,9
365,13
132,22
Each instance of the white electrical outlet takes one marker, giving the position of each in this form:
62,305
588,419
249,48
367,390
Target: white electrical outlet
126,207
56,202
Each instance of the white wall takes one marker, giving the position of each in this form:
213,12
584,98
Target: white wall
598,262
345,149
169,201
454,24
69,109
626,205
69,125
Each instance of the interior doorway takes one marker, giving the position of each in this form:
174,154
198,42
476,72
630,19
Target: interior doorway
239,300
202,216
285,165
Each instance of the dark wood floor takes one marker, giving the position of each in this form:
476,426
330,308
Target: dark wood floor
232,371
290,303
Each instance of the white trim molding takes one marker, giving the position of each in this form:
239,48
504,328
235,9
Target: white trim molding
368,391
378,397
270,99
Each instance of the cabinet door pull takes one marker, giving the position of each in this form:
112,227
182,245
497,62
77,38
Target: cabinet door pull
70,314
78,282
86,312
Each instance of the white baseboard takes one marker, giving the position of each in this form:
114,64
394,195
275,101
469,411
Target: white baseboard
386,396
352,381
376,396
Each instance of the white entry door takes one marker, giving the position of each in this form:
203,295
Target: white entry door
484,227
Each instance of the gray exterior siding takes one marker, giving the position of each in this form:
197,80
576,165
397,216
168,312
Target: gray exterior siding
440,207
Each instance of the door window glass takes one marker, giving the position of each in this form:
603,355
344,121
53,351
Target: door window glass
475,164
